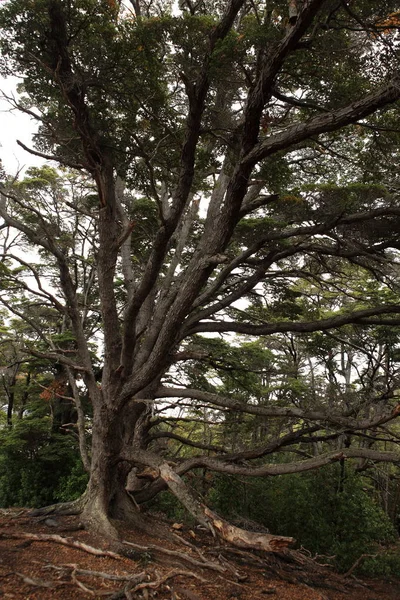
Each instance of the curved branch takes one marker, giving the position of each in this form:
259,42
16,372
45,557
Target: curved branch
358,316
187,442
59,159
324,123
286,468
58,358
276,411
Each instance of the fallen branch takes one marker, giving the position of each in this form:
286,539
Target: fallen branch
57,539
230,533
242,538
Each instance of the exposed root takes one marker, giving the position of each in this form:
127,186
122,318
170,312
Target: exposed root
129,590
35,581
133,579
57,539
153,585
75,507
162,554
225,567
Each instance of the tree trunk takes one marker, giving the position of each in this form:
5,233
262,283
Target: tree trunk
106,497
106,474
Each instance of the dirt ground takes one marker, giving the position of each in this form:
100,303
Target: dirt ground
195,568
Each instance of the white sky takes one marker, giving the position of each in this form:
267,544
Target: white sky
14,126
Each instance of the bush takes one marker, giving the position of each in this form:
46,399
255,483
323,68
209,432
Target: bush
323,516
33,461
72,485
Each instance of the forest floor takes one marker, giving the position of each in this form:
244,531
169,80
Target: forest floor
53,558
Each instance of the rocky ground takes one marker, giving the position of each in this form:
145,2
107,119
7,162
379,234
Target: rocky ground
54,558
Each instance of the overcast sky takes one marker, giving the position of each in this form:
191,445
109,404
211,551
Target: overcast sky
14,126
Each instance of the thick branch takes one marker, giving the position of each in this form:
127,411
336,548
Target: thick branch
233,535
263,88
331,121
299,326
275,411
309,464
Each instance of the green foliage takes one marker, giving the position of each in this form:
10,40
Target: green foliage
382,564
313,509
33,463
169,505
72,485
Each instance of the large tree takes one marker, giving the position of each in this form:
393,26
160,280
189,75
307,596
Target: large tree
237,164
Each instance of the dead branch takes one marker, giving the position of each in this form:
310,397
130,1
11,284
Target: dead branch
357,562
247,539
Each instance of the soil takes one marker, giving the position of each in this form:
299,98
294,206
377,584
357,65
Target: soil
194,567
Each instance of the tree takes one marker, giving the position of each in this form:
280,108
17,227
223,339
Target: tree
237,151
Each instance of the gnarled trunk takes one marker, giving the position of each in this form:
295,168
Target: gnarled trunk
107,500
106,497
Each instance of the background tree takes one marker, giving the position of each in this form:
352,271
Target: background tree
227,150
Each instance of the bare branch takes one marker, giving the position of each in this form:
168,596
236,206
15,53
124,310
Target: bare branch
59,159
357,316
331,121
328,417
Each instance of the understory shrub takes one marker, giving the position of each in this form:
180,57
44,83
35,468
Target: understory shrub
325,513
33,463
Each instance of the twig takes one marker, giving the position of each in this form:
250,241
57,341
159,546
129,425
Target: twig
239,576
355,565
189,545
80,584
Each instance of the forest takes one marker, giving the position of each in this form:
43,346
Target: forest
200,284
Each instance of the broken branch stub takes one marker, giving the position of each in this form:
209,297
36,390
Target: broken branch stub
247,539
230,533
